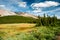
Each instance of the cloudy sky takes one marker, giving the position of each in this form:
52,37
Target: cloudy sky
36,7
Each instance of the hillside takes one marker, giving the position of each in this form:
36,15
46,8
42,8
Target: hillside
13,17
9,13
16,19
27,15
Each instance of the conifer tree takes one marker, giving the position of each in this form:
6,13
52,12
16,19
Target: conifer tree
39,21
44,20
54,20
48,17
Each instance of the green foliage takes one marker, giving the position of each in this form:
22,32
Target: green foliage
47,21
41,33
2,34
39,21
1,38
58,22
44,33
21,36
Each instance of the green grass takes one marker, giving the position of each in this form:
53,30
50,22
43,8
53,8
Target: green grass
16,19
38,33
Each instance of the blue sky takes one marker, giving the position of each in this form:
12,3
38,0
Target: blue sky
35,7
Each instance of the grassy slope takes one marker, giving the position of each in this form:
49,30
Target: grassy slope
16,19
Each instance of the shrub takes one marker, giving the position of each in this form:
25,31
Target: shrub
43,33
21,36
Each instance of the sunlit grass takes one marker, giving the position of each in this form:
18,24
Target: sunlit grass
27,31
16,28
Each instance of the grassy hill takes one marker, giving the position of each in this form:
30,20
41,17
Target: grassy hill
16,19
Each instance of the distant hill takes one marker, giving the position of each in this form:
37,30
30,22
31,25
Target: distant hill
27,15
20,17
6,13
9,13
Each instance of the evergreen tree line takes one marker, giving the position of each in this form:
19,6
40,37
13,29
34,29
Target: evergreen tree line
47,21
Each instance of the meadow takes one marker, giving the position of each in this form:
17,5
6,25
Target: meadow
27,31
15,28
26,28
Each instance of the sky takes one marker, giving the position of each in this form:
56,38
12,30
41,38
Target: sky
35,7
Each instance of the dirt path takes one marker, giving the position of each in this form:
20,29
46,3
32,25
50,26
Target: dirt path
58,38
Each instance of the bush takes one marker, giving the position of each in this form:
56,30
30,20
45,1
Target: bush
43,33
2,34
21,36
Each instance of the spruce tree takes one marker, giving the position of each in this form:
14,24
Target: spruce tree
48,17
55,20
39,21
44,20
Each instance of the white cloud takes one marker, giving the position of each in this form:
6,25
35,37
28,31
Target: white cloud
38,6
58,16
44,4
2,5
37,11
22,4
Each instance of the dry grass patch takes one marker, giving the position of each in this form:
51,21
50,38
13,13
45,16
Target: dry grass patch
16,28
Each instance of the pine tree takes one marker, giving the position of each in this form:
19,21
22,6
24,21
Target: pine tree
48,17
44,20
55,20
39,21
